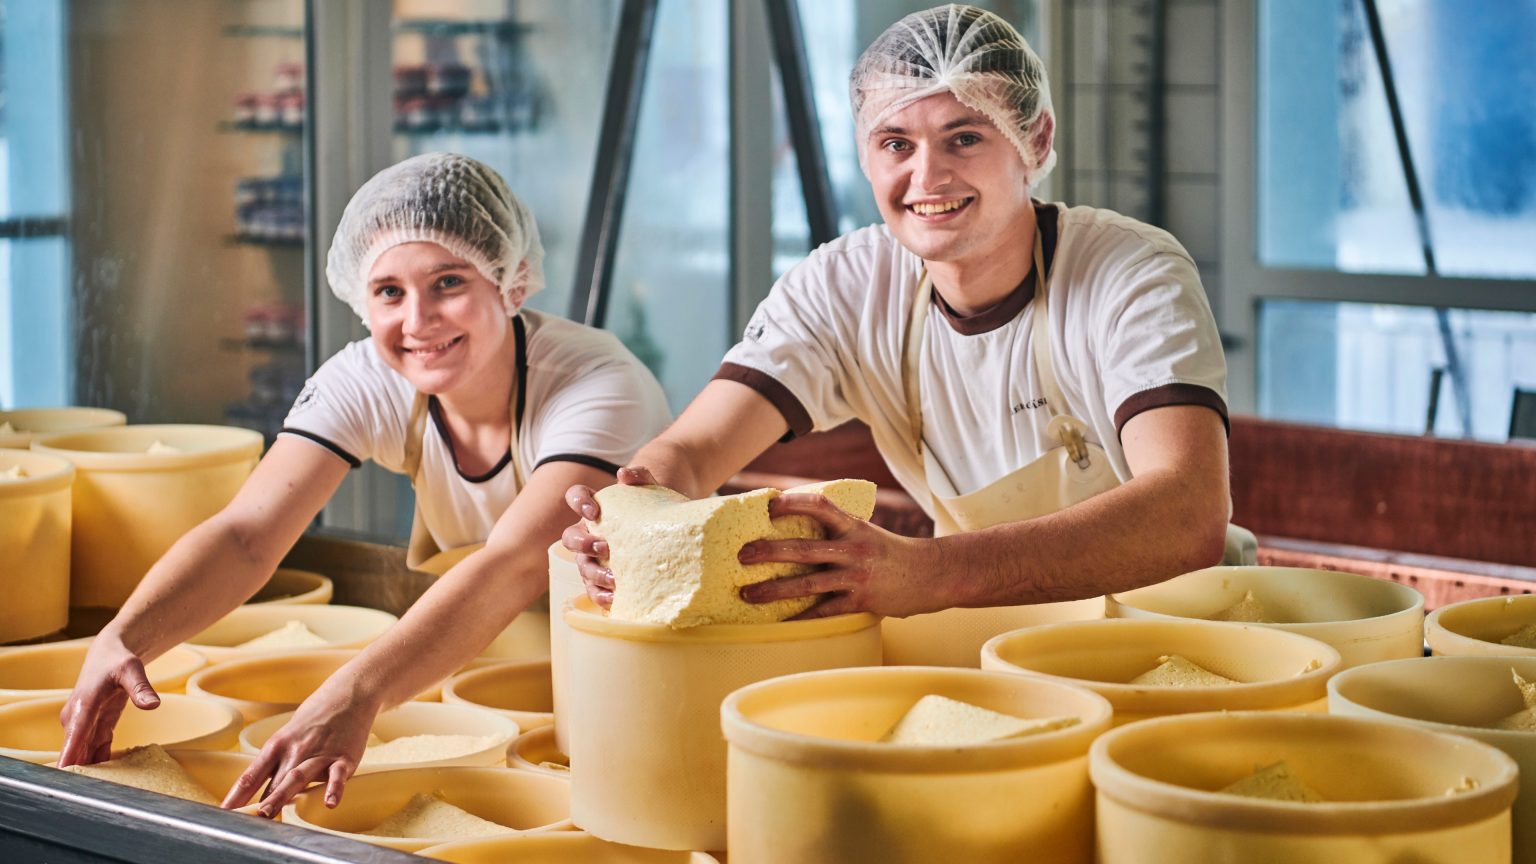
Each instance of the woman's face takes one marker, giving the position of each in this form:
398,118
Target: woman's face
435,318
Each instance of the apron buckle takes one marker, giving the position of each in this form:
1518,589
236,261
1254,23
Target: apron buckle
1071,438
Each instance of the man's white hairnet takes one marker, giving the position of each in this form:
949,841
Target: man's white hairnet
966,51
451,200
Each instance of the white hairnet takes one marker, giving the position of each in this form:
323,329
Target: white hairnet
455,201
966,51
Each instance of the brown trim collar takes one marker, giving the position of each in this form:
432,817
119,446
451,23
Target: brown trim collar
1008,308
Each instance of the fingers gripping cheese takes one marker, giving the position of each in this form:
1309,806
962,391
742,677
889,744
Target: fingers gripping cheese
674,560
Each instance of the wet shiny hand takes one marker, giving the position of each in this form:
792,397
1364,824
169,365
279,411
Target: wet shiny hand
110,676
322,742
591,550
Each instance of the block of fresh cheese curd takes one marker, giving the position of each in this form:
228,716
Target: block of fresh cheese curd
424,748
430,816
159,446
291,635
12,473
1247,610
674,559
1525,637
1523,720
1275,783
1173,670
148,767
941,721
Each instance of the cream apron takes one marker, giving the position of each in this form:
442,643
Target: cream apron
1073,471
528,634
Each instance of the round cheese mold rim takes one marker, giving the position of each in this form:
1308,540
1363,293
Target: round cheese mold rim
532,749
577,847
289,587
44,473
243,683
180,722
1390,624
582,616
125,448
521,690
343,627
30,423
1236,651
1474,627
415,718
56,665
1167,739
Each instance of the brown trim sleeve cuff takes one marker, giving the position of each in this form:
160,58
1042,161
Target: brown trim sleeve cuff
1171,394
794,413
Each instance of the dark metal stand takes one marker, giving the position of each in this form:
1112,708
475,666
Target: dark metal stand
804,126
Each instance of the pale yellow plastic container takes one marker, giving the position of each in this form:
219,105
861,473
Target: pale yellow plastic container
29,423
1366,619
34,544
269,684
518,689
811,781
215,771
564,586
1384,787
294,587
415,718
536,751
526,637
39,671
30,730
131,505
954,637
341,627
1459,695
1279,671
517,799
557,847
1474,627
645,714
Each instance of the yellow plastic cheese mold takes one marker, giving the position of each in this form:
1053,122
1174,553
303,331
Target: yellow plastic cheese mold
294,587
1366,619
536,751
215,771
39,671
954,637
270,684
519,800
341,627
1460,695
30,730
525,637
130,505
644,712
1475,627
557,847
29,423
1386,789
35,539
564,585
810,779
416,718
1278,671
520,690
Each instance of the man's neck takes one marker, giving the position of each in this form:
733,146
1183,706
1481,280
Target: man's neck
983,281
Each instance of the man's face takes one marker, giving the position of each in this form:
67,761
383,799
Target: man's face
949,185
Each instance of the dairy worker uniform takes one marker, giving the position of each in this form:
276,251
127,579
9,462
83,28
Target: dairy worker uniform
580,396
1018,416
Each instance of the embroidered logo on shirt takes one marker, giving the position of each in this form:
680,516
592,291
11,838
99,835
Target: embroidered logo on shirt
307,396
755,329
1031,405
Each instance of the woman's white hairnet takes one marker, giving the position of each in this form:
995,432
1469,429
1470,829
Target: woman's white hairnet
966,51
455,201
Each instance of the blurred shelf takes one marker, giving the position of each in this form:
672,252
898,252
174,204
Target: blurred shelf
290,345
255,31
281,128
446,27
260,240
408,129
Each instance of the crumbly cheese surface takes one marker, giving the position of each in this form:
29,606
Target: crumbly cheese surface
12,473
1523,720
161,447
1247,610
941,721
1173,670
425,748
291,635
148,767
674,560
1275,783
430,816
1525,637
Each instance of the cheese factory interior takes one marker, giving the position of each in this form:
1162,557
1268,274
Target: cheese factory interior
1122,417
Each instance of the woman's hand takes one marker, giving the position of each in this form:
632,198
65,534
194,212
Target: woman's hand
591,550
110,676
865,567
322,742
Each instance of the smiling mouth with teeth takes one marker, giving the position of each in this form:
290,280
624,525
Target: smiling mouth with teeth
934,209
434,349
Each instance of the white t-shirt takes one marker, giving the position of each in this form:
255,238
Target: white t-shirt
1130,330
586,399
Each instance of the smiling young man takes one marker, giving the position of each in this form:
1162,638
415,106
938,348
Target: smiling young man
1046,381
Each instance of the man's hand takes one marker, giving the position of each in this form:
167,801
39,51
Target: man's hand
110,676
591,550
866,568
